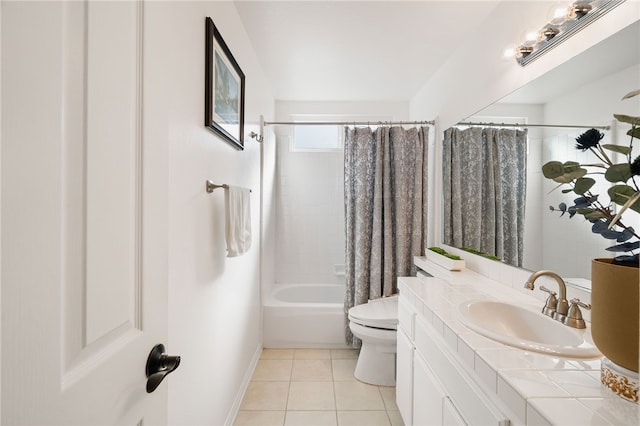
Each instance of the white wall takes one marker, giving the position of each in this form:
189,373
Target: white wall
214,301
310,193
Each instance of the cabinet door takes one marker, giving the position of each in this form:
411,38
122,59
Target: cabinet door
428,394
450,414
404,377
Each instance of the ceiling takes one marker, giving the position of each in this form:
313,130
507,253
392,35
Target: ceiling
356,50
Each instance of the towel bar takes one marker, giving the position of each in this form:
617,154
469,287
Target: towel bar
211,186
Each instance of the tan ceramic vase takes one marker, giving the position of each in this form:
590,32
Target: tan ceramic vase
614,311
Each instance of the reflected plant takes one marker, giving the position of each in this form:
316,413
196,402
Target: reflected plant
624,192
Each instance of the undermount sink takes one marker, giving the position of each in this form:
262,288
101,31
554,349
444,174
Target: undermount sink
526,328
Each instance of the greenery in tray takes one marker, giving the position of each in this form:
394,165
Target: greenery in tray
444,253
480,253
624,194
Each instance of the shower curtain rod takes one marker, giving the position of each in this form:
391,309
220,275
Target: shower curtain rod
344,123
469,123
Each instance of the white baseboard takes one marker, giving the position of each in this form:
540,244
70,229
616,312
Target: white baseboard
235,407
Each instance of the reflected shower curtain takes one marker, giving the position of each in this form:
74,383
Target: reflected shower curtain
385,193
484,190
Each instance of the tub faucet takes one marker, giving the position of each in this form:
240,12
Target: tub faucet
562,306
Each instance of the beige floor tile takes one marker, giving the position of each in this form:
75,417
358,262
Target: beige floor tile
311,396
357,396
389,397
275,370
312,354
396,418
344,353
363,418
311,370
259,418
277,353
343,369
311,418
266,396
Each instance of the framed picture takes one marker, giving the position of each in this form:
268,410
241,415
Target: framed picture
224,89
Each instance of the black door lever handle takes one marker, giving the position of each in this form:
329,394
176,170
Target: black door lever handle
159,364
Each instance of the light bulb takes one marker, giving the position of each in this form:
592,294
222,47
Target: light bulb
509,53
558,14
530,38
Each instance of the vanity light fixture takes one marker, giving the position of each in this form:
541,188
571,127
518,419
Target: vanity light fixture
563,23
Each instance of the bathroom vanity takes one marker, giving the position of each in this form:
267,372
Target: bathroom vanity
451,375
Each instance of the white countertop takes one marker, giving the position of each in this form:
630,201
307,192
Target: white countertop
540,389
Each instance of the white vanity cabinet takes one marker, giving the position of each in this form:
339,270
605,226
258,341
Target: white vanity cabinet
428,394
404,361
432,386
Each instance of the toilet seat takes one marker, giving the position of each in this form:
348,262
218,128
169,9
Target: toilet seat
379,313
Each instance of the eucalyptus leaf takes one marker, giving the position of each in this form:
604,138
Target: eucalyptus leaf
634,132
625,247
575,173
599,227
635,121
618,173
597,214
553,169
617,148
566,191
570,166
631,94
620,194
625,235
583,202
610,234
584,184
585,211
631,259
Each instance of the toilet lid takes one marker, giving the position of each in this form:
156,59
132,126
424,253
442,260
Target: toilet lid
380,313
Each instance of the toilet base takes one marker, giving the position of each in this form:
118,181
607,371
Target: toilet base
376,366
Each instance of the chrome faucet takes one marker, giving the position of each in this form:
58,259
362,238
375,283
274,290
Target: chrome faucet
561,305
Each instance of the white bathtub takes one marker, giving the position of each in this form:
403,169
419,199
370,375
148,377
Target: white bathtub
304,316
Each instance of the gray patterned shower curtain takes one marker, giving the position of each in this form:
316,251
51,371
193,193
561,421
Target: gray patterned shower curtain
385,194
484,190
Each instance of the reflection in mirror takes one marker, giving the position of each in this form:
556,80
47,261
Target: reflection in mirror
484,187
584,91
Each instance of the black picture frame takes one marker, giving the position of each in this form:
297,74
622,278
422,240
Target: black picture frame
224,89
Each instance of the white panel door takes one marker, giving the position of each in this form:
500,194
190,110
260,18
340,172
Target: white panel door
84,241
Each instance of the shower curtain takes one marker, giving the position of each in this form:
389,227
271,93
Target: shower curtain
385,194
484,190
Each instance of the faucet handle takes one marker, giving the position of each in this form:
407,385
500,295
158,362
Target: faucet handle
575,301
549,308
574,317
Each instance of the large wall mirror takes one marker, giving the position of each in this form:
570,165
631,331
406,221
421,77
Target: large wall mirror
586,90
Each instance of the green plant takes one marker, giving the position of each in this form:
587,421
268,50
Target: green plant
480,253
444,253
624,192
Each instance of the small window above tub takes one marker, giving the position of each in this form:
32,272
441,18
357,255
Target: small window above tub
325,137
311,137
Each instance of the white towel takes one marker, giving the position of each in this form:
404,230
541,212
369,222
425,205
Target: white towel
238,220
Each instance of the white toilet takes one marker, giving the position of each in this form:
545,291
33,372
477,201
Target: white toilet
375,323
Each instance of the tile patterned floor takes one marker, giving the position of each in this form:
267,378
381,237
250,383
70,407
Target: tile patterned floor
314,387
